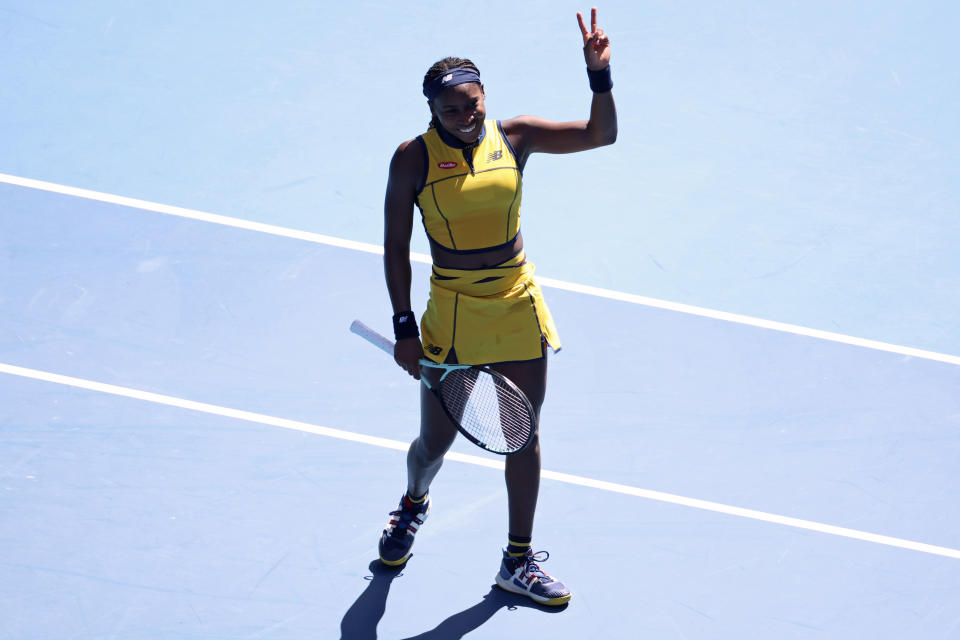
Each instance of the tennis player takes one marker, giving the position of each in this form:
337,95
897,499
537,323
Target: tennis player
464,175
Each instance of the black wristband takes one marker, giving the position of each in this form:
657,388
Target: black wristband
405,325
600,80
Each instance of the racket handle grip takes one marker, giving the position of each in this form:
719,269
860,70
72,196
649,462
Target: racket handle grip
372,336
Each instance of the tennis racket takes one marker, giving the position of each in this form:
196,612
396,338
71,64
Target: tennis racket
487,407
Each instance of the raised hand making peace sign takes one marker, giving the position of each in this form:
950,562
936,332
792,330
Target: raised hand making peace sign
596,44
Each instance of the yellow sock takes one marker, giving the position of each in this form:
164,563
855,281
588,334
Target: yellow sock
517,546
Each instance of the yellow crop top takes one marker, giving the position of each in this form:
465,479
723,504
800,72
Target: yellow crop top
471,204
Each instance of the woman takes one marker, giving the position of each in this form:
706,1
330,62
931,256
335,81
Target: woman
464,175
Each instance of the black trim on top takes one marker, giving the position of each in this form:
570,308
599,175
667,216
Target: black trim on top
513,152
519,185
516,192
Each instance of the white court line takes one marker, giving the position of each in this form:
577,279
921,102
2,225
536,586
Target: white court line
567,478
420,257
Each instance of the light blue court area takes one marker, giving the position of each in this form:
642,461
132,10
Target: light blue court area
795,162
193,445
138,517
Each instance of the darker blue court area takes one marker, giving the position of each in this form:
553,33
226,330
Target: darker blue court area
187,524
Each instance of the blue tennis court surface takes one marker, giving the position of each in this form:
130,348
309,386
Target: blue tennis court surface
192,444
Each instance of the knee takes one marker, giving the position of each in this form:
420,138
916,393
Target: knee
532,452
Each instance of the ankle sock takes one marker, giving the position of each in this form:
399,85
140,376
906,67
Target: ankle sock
411,501
517,545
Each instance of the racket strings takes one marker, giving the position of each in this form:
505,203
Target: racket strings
489,407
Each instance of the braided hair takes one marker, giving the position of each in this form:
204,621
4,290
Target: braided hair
439,68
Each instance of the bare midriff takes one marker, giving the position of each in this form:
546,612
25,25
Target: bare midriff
479,260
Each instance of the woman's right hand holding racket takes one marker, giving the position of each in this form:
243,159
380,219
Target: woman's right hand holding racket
489,409
407,353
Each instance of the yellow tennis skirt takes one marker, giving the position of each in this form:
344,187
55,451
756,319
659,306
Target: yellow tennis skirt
487,315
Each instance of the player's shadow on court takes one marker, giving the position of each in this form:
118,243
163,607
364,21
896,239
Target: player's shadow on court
361,620
462,623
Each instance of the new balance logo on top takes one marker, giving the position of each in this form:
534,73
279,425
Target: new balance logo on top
496,155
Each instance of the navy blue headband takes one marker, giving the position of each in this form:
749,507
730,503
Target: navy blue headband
449,79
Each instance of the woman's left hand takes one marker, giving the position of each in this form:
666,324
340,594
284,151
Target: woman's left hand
596,44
